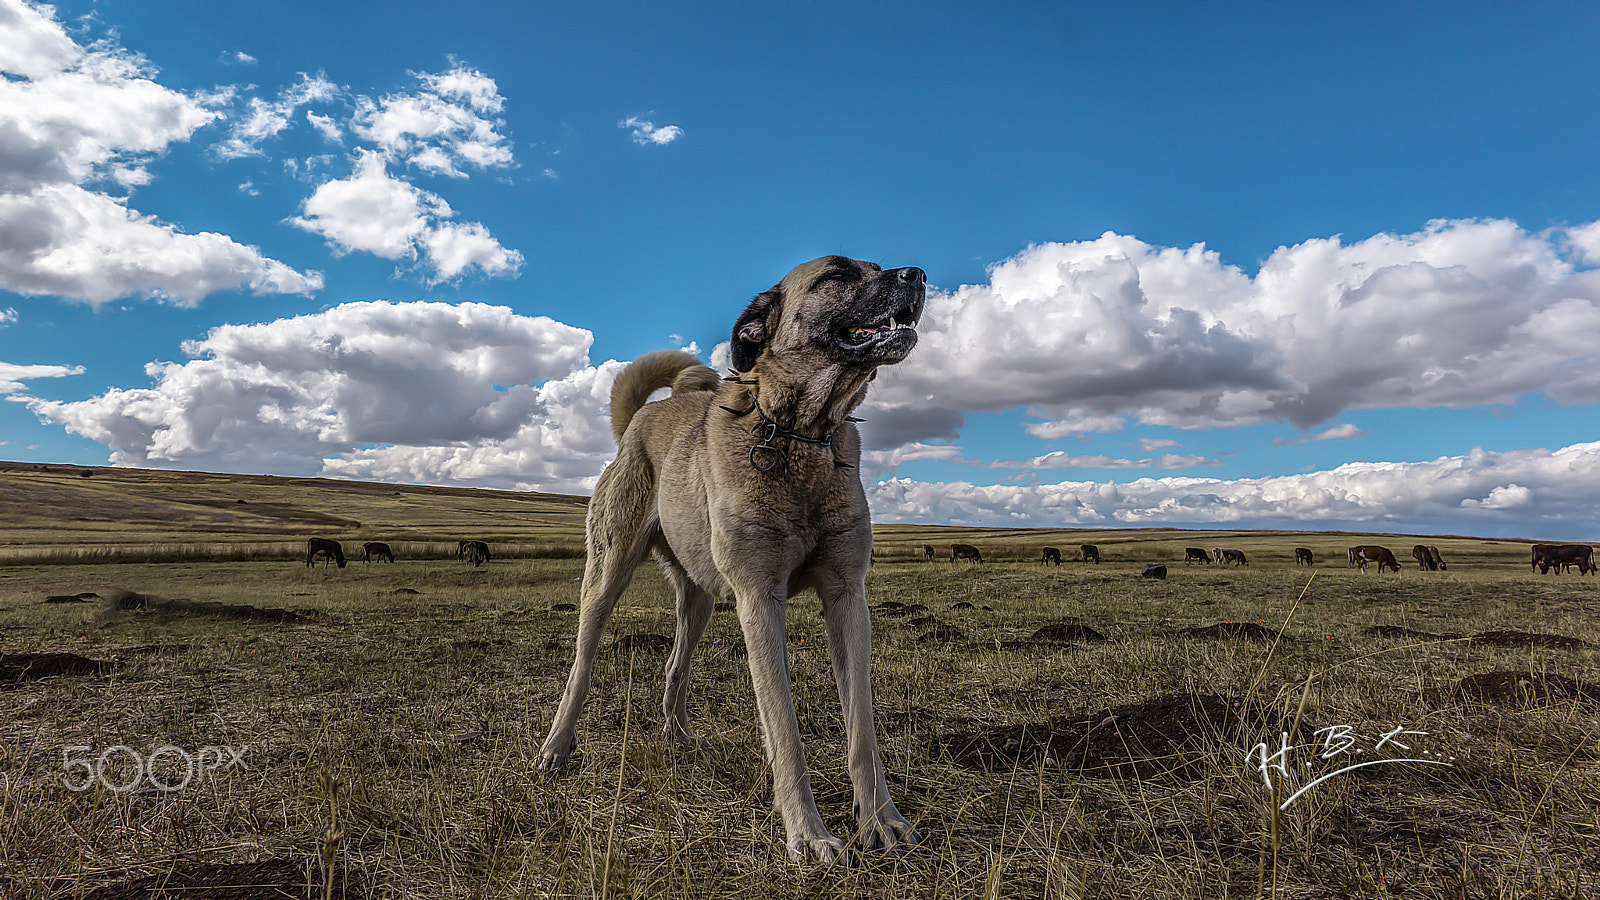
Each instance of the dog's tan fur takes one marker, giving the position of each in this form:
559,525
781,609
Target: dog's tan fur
730,486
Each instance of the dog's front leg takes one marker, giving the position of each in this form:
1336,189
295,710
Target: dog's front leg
850,645
761,616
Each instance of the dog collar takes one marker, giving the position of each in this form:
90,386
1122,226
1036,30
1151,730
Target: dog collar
766,455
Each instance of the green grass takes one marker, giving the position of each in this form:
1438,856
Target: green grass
397,739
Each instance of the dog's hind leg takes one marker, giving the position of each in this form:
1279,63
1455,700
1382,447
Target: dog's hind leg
694,612
606,575
844,606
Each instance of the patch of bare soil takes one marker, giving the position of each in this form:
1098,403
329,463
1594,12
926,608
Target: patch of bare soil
1516,689
142,604
16,668
939,633
1167,735
1529,639
273,879
1249,631
894,609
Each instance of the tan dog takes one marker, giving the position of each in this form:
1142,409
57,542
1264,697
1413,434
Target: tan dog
750,487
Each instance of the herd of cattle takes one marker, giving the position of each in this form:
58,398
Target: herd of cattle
474,552
1561,557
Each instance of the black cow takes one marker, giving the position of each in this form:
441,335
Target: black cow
1420,554
378,549
1233,557
326,549
1438,561
1567,555
927,552
965,551
1154,570
1088,552
1190,554
1302,556
1051,555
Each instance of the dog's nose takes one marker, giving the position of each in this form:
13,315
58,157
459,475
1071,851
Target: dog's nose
911,275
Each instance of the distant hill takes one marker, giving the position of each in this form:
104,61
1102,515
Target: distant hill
61,504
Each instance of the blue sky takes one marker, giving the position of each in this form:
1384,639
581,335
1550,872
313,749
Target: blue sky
1249,265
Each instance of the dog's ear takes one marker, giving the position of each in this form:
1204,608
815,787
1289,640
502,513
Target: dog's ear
750,332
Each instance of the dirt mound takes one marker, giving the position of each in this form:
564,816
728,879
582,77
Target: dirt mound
563,607
19,667
143,604
1249,631
1166,735
1066,632
1516,689
1529,639
273,879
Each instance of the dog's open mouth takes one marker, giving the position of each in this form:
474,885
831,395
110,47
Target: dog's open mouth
901,321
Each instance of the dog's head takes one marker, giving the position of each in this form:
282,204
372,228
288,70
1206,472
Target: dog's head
849,311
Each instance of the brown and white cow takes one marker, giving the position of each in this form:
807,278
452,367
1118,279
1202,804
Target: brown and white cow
1438,561
1233,557
326,549
1368,554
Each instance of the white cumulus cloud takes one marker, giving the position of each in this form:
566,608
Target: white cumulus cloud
1459,314
1529,493
449,393
75,122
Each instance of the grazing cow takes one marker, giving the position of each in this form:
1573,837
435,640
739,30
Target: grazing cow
1356,556
475,552
1302,556
927,552
1233,557
1380,555
326,549
1088,552
1566,555
378,549
1051,555
1154,570
1190,554
1438,561
1539,550
965,551
1420,554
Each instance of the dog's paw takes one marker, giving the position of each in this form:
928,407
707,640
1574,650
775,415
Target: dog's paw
888,831
554,754
823,848
680,734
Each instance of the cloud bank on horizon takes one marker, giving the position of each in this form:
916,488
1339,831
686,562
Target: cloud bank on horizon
1086,337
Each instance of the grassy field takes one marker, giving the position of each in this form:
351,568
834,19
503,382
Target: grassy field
1061,732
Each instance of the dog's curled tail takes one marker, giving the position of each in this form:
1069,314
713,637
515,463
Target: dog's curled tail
649,373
